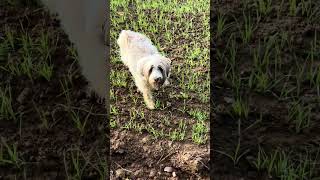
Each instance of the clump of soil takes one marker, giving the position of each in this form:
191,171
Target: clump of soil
142,157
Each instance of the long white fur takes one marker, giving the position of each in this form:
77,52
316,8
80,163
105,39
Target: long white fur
139,54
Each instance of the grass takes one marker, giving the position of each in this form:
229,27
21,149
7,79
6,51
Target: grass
272,68
280,164
78,122
66,91
300,116
248,29
240,108
179,134
31,46
6,108
182,35
263,7
238,153
34,54
292,7
221,24
9,154
102,167
199,132
75,169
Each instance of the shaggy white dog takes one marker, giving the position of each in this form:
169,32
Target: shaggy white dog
83,21
150,70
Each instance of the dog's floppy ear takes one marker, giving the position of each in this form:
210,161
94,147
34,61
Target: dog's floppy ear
167,64
146,70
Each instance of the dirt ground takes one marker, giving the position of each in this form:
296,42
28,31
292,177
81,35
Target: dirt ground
267,125
56,149
143,141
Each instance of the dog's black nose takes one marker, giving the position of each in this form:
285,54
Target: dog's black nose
158,80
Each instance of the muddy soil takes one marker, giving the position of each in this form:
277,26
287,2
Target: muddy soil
267,124
141,157
145,154
46,153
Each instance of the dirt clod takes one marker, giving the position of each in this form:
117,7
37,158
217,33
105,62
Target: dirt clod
120,173
168,169
174,174
152,173
21,98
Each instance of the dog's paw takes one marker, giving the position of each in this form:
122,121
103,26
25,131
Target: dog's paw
150,105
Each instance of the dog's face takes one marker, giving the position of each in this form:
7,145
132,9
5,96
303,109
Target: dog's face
156,71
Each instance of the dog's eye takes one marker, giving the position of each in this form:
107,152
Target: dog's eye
160,68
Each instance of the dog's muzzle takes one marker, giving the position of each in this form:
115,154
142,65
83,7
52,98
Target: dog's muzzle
158,82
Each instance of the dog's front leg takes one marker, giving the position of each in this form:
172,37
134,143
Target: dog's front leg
148,98
146,92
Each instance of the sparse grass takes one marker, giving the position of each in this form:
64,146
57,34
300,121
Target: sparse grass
300,116
9,37
31,45
4,48
238,153
221,25
240,108
79,123
34,55
268,66
75,167
179,134
45,47
282,165
247,30
102,167
310,10
198,114
6,108
200,132
263,7
180,30
9,154
66,91
119,78
45,70
292,7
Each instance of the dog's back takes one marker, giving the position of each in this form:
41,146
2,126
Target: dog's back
134,46
82,20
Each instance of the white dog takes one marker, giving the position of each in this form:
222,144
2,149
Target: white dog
83,21
149,69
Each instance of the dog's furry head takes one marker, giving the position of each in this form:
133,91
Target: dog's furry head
156,70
